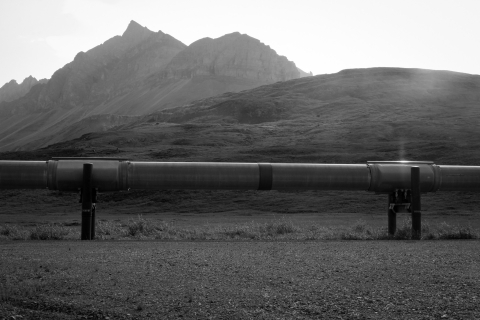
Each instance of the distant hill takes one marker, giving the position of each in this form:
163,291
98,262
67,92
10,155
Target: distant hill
135,74
348,117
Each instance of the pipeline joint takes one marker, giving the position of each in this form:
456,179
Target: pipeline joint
265,176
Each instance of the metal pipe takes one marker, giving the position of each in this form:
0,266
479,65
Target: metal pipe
116,175
23,174
299,176
192,175
388,176
459,178
107,175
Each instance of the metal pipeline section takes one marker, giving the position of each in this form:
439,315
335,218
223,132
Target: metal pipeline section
459,178
117,175
23,174
388,176
246,176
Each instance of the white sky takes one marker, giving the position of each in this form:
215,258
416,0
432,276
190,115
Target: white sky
322,36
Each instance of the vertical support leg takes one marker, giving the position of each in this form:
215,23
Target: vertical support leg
87,202
92,229
392,215
416,203
94,209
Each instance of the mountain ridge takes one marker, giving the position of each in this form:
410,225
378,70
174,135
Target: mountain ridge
12,90
125,75
233,54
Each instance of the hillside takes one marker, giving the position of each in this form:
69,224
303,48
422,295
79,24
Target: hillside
348,117
135,74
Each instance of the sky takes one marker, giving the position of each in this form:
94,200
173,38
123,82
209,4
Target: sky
38,37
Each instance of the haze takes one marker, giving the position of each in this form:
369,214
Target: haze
39,37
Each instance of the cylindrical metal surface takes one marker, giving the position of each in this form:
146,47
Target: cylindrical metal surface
298,176
459,178
265,173
248,176
193,175
23,174
390,176
87,202
116,175
416,203
106,175
392,215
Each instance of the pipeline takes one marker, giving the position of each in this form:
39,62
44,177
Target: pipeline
110,175
403,181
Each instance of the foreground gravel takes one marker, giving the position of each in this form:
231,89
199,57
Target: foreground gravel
240,280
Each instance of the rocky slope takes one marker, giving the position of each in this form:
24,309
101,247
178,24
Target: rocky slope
233,55
12,90
135,74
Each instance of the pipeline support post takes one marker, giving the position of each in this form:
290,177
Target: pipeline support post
94,209
392,215
416,203
87,202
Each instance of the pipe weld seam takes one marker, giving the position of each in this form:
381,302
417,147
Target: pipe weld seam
265,176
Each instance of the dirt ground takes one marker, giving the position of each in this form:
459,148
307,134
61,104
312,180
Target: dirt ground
240,280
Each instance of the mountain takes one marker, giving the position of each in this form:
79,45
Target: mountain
12,90
135,74
107,70
233,55
348,117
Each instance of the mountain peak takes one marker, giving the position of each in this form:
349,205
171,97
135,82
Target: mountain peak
235,55
12,90
233,34
135,30
134,24
30,80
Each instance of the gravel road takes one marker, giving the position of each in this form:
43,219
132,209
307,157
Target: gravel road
240,280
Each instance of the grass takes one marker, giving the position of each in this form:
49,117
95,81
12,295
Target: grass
39,232
445,231
278,229
49,232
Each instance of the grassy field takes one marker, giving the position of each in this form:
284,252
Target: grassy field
266,227
220,215
210,211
